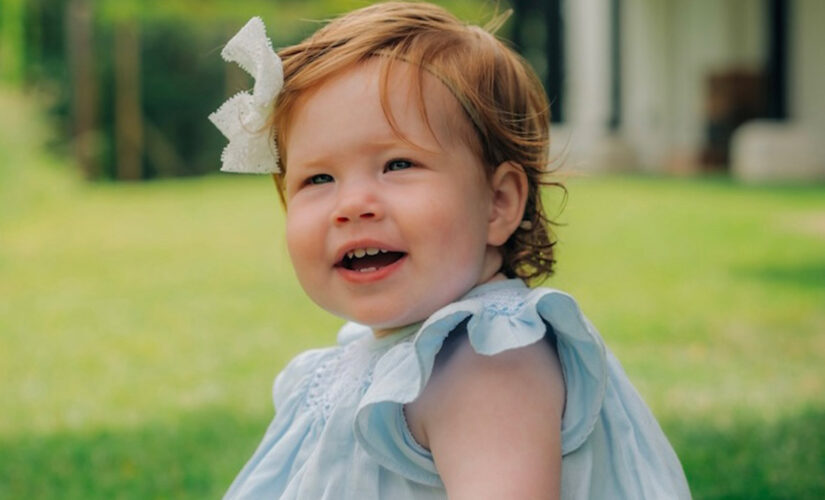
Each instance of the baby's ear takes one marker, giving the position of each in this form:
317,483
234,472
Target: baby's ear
510,190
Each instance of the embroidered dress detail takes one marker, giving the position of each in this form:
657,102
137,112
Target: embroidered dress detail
244,118
349,371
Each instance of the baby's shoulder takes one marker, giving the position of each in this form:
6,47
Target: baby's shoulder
506,340
483,391
458,360
480,411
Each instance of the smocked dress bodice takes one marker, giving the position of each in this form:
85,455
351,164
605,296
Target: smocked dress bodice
339,431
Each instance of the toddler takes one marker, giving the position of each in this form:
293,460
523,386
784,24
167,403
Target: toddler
409,150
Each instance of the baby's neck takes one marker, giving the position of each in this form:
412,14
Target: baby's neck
386,332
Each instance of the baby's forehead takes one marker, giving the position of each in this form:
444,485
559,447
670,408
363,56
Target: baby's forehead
432,101
410,97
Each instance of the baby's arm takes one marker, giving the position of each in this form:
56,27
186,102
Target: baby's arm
493,423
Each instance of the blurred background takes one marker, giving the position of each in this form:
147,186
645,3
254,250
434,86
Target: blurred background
146,303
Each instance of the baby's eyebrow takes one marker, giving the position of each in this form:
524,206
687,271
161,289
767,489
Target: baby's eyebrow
372,149
313,163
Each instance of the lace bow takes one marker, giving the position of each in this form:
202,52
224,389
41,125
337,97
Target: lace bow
244,118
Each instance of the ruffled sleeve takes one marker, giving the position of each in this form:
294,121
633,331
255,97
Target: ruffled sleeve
500,316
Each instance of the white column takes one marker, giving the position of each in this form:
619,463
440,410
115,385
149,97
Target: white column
587,86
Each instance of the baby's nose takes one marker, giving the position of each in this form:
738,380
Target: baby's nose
347,218
358,205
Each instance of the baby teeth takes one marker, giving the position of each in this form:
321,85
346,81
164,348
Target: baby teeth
368,269
365,251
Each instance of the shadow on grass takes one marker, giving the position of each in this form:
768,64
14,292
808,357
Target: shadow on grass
801,274
194,457
197,457
749,459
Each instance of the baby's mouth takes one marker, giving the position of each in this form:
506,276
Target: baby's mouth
369,259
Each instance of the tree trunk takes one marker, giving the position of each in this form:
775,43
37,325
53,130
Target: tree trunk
128,110
79,45
12,42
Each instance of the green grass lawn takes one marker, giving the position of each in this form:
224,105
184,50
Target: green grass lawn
141,325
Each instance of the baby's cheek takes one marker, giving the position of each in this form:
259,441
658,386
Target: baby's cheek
302,243
292,237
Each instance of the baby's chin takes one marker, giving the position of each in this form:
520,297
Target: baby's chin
388,327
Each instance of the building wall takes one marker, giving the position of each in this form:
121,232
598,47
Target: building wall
669,50
807,65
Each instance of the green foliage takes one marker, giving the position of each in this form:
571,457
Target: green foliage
183,78
141,325
280,15
12,49
182,82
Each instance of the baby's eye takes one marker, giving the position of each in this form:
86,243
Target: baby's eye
398,164
320,179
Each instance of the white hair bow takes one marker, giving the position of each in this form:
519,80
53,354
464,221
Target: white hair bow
244,118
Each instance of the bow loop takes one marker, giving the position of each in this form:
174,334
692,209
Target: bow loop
244,118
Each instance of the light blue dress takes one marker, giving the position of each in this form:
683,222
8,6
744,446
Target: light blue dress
339,432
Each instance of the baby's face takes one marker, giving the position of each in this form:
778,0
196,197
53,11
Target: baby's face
380,230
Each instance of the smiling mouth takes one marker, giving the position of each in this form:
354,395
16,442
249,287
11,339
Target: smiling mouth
369,259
